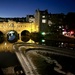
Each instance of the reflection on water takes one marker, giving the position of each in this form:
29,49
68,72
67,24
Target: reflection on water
60,44
6,46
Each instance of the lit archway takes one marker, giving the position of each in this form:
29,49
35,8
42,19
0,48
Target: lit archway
12,36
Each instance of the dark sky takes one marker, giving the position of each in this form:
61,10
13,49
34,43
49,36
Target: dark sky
21,8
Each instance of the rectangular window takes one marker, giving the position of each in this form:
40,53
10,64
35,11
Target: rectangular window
43,16
43,20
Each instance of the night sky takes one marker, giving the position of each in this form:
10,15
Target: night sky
21,8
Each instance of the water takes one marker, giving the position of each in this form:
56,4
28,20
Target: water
8,59
51,64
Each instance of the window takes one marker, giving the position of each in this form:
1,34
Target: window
43,16
43,20
60,27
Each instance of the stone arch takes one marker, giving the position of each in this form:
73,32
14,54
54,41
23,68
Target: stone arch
25,35
1,37
12,36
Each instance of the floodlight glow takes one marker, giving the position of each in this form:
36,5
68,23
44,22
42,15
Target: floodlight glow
43,33
43,40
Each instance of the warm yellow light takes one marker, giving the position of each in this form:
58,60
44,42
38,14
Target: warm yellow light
18,27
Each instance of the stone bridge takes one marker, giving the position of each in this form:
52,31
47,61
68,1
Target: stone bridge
11,29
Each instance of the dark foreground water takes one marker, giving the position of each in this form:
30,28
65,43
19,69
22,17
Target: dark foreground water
7,59
46,63
51,64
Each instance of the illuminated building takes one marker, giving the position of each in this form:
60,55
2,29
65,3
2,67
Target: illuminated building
23,27
14,31
40,22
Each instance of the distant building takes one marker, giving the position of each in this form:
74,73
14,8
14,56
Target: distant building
30,18
16,19
41,20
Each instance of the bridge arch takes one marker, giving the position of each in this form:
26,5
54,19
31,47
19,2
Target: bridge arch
12,36
25,35
1,37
